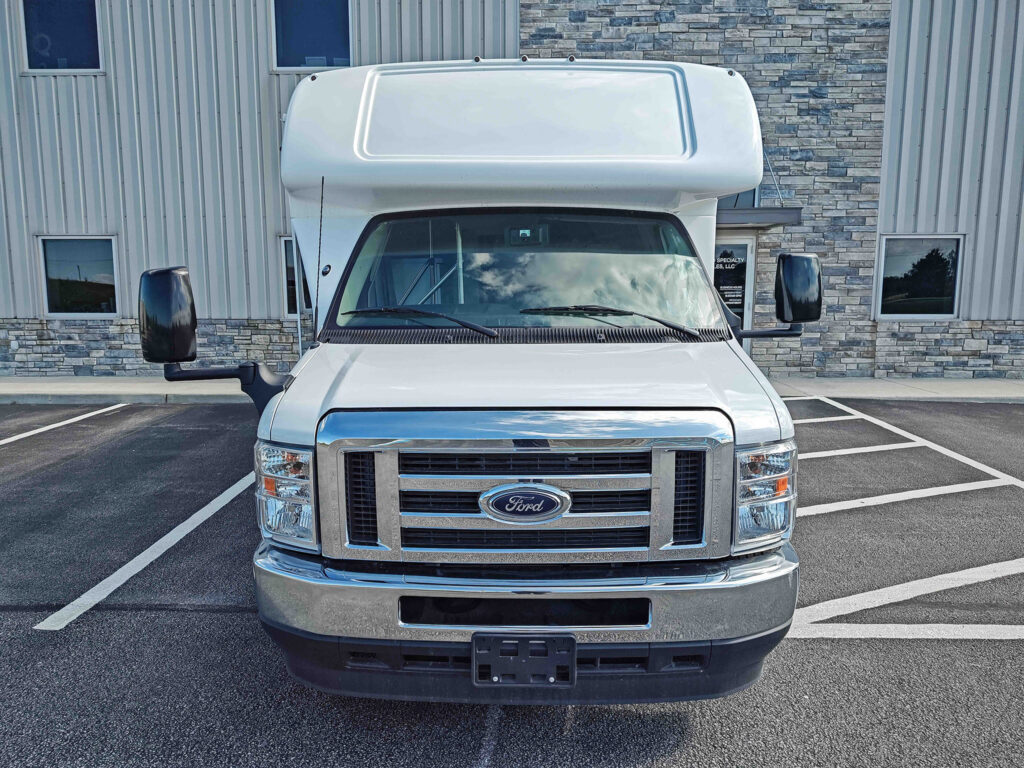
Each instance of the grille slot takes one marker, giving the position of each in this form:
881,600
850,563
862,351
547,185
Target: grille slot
361,498
530,464
524,612
688,517
568,538
465,503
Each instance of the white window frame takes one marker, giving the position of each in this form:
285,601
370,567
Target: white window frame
44,295
27,71
306,70
879,274
300,276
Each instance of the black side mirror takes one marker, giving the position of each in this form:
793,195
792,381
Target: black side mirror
167,316
797,297
798,288
167,329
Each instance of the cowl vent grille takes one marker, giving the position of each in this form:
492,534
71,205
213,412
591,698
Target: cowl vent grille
605,335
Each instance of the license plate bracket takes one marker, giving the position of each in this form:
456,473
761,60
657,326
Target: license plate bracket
539,661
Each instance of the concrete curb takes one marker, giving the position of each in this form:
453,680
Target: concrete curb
69,390
133,398
199,398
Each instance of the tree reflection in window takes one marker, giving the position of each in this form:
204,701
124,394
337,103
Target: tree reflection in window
920,276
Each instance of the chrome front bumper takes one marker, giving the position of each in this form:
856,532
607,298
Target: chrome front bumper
717,600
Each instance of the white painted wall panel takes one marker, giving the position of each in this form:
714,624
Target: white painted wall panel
953,155
174,148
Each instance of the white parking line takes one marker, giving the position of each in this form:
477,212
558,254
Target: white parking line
865,449
908,631
47,428
801,397
899,593
1010,479
823,419
889,498
806,621
80,605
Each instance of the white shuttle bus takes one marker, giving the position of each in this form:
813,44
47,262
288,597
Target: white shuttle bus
527,459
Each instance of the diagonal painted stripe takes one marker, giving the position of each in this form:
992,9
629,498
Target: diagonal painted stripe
801,397
823,419
934,446
901,592
101,591
489,740
889,498
909,631
48,427
865,449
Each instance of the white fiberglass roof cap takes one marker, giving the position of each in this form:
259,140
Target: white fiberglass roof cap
632,134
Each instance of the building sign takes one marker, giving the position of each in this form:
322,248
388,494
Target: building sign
731,274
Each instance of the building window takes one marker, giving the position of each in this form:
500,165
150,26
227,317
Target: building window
311,34
920,276
61,34
746,199
80,276
293,268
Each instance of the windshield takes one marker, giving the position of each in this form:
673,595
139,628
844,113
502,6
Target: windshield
495,268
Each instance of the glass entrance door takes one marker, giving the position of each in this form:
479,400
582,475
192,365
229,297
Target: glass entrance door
734,274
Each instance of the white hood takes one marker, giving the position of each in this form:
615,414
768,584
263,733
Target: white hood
715,375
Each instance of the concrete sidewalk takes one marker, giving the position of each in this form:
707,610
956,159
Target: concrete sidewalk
100,390
151,389
966,390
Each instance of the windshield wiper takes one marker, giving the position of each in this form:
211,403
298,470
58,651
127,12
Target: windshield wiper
600,309
424,313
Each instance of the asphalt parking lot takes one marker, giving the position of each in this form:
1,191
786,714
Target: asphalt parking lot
906,649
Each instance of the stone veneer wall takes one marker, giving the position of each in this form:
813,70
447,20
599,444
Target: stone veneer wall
817,71
108,347
961,349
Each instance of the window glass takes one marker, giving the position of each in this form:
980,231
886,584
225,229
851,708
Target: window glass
489,267
293,267
61,34
731,275
919,275
746,199
311,33
79,276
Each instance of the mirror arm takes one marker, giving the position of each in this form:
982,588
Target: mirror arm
258,381
781,332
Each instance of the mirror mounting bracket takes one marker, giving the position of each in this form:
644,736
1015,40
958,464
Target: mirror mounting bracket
258,381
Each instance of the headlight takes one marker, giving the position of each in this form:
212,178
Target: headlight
765,495
284,495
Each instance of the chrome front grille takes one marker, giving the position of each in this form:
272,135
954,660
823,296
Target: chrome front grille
645,485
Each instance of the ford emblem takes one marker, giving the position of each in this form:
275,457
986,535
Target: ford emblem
525,503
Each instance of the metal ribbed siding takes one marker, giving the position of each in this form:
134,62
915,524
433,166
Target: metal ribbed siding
174,150
953,155
431,30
